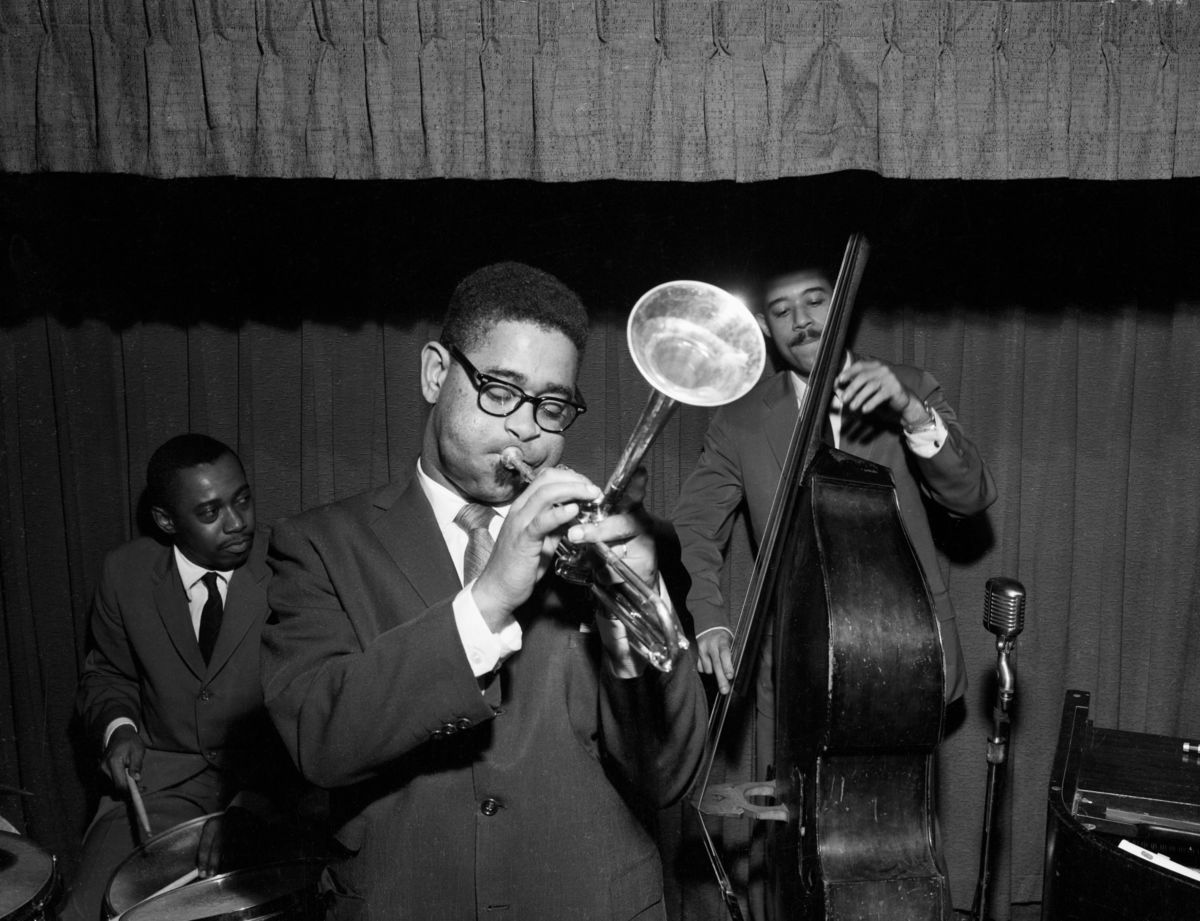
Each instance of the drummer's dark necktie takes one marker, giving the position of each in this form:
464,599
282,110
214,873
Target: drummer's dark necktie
210,617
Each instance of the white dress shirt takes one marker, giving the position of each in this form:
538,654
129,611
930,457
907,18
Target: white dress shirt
197,592
485,650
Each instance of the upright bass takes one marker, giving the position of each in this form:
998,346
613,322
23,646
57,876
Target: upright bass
858,682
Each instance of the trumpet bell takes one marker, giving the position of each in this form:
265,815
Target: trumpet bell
696,343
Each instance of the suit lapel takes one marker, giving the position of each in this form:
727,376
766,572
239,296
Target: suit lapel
170,600
780,402
245,604
409,533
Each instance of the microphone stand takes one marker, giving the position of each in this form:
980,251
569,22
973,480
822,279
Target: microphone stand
997,756
1003,615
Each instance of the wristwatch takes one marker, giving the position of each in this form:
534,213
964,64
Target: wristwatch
928,425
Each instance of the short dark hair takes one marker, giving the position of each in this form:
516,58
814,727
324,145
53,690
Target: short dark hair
180,453
767,279
512,291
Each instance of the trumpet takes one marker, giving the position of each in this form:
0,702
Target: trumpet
694,343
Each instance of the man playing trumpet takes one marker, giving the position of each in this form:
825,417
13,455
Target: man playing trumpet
489,743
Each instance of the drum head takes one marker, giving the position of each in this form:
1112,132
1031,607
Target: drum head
280,890
26,877
157,863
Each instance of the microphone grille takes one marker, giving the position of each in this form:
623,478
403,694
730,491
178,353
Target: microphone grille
1004,606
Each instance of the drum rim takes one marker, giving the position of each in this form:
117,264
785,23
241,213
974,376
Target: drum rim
174,831
33,906
249,913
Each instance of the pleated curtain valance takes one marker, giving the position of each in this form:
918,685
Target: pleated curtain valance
571,90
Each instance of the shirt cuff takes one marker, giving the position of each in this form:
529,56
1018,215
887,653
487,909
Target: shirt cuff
485,650
926,442
114,726
711,629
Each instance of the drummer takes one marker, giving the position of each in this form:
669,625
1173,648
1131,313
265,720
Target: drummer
170,691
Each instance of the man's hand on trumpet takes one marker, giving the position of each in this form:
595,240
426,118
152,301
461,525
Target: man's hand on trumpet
541,516
626,530
524,548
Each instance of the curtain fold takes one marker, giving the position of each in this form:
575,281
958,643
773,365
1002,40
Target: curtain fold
573,90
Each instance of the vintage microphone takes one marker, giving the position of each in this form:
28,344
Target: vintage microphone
1003,615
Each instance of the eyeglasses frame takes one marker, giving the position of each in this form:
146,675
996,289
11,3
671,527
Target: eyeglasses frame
479,380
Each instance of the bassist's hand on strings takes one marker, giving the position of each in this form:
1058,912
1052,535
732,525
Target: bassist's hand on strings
868,385
716,657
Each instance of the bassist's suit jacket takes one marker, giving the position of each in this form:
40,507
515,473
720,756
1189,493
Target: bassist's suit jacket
742,458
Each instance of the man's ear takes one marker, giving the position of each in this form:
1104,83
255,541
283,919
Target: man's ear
435,365
163,519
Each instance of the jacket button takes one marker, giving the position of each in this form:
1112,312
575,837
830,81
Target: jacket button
489,806
206,695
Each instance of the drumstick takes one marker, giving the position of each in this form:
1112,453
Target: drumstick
182,881
175,884
138,806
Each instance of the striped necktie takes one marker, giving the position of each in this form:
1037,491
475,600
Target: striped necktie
474,519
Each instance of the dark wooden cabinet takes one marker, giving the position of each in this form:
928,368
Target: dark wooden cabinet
1107,786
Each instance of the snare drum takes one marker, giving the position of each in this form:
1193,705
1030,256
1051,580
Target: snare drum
275,891
27,879
159,862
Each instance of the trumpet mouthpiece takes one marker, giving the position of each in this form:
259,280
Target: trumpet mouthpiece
512,458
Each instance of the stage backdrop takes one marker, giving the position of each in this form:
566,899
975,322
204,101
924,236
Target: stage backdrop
602,89
285,318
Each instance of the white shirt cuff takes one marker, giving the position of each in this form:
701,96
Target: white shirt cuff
927,442
711,629
114,726
485,650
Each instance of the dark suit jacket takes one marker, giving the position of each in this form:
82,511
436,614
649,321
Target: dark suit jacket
742,458
521,803
145,664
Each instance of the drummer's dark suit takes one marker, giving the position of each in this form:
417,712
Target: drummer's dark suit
516,803
206,733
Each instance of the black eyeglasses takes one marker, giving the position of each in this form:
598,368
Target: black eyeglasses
501,398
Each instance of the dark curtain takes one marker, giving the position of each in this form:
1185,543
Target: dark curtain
1063,319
